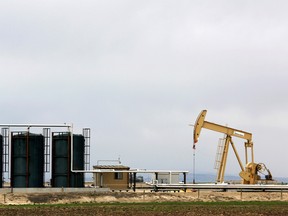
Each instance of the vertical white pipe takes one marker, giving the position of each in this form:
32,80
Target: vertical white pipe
71,156
10,152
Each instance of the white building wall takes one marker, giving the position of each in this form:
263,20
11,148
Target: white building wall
164,178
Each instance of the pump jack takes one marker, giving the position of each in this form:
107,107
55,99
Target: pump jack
249,174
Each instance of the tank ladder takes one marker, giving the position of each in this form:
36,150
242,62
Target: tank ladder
47,142
86,134
6,138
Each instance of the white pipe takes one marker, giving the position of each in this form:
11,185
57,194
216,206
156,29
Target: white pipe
71,146
9,153
224,186
70,129
128,171
69,126
36,125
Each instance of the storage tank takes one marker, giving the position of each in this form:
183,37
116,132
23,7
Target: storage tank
1,160
27,160
61,160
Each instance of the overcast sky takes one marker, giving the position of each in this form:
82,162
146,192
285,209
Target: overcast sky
138,72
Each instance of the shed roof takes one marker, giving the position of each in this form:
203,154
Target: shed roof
115,167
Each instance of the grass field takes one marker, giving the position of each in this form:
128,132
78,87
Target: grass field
152,208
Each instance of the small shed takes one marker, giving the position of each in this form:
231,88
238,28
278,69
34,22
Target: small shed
166,178
111,176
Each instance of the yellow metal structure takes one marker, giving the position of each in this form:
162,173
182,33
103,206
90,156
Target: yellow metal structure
249,175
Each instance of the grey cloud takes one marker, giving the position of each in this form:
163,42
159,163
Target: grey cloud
138,72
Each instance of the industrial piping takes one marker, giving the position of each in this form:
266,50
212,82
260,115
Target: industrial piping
28,126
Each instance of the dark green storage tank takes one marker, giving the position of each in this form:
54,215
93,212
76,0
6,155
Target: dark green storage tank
27,160
61,160
1,160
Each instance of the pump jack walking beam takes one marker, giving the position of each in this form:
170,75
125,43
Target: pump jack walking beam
201,123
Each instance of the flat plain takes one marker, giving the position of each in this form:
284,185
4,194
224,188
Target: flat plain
146,203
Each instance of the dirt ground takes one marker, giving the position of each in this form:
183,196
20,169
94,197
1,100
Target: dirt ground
188,209
126,197
146,203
